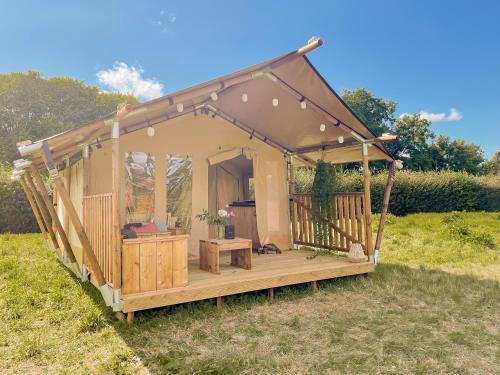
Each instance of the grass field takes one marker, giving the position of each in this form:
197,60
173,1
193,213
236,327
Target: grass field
432,306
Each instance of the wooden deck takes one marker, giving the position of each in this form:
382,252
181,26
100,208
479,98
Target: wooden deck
268,271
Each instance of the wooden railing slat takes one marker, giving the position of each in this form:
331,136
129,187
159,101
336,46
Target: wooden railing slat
97,224
337,232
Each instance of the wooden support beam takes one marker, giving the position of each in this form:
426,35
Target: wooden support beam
385,205
367,202
270,294
42,208
42,189
314,285
218,302
77,224
116,239
130,317
34,208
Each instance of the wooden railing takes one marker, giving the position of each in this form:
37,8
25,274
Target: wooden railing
97,223
335,227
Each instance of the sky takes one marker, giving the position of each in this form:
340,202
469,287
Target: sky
437,58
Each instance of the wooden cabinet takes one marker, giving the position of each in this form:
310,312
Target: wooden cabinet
245,224
154,263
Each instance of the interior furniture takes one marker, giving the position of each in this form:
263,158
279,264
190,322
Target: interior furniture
240,248
245,221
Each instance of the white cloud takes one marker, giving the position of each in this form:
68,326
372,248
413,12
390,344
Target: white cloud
165,21
453,115
128,80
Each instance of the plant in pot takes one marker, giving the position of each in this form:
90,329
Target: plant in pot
221,221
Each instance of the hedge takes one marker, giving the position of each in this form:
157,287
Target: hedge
421,191
15,211
412,192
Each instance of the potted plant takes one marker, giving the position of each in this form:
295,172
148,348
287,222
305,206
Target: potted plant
221,221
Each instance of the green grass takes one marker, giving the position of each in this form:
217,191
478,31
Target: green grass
432,306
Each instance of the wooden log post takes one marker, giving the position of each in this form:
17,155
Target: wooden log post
34,208
41,207
42,189
292,190
368,203
73,217
385,206
116,240
111,297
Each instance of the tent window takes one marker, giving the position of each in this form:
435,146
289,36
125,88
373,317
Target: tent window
179,175
139,187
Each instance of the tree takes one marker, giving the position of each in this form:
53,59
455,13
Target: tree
491,166
34,107
456,155
414,141
376,113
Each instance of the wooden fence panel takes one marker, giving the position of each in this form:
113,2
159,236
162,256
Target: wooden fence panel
338,232
97,224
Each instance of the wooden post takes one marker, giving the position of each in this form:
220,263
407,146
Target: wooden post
130,317
77,224
68,187
115,199
41,207
368,202
86,170
218,302
385,206
270,294
314,285
292,190
34,207
53,214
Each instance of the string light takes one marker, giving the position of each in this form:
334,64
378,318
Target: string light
180,107
303,104
214,96
244,97
341,139
322,127
275,102
151,131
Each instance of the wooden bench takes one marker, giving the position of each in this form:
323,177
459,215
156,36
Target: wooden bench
241,253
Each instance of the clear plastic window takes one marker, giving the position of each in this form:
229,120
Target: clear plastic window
179,176
139,187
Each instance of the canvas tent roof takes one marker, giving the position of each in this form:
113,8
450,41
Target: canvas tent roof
290,78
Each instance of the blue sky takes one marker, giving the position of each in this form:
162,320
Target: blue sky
440,57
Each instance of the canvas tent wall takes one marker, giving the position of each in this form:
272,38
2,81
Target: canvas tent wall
202,137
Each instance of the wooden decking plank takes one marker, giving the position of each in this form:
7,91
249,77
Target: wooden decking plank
269,271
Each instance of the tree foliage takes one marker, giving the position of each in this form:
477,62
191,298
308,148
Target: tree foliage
491,166
34,107
418,145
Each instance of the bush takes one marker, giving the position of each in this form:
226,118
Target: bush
15,211
412,192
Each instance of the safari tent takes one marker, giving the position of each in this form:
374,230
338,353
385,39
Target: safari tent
233,141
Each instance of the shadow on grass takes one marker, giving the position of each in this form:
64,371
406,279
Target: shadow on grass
398,298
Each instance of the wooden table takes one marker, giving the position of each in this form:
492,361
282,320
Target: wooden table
241,253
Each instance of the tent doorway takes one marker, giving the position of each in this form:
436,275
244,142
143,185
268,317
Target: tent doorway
229,185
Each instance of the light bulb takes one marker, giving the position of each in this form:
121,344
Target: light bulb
151,131
341,139
244,97
214,96
275,102
322,127
180,107
303,104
